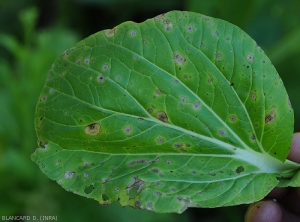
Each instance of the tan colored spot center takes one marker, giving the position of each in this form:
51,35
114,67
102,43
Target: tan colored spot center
93,129
179,59
270,117
162,116
110,32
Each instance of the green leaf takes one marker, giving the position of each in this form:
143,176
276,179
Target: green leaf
182,110
290,181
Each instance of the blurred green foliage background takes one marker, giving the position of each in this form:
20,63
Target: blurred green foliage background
33,33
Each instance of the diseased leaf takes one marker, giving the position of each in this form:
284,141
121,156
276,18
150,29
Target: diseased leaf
182,110
293,181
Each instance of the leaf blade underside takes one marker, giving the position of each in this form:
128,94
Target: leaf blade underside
180,101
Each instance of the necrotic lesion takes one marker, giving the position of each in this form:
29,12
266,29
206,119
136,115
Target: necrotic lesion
93,129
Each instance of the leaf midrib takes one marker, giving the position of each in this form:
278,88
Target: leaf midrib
142,168
208,139
247,155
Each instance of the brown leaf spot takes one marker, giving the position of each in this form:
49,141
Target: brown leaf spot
232,118
196,106
160,140
158,92
44,98
250,57
270,117
253,96
190,28
219,56
162,116
179,59
101,78
222,132
110,32
127,130
92,129
210,80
